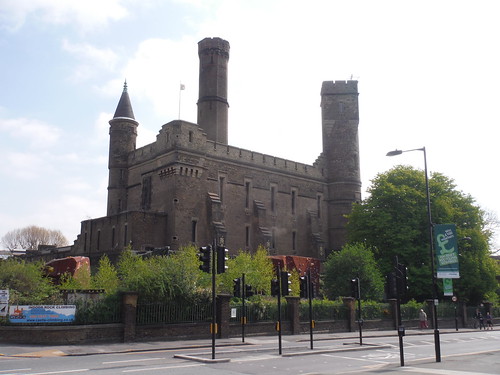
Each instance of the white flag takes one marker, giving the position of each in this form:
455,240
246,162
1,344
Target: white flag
183,87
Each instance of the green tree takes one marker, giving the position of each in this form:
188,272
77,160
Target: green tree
106,276
258,270
162,278
393,221
26,284
354,260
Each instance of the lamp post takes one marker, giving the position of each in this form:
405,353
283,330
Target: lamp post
437,346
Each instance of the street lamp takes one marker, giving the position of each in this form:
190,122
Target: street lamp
431,242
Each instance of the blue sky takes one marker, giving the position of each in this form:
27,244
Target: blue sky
428,76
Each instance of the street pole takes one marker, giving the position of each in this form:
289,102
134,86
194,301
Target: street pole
279,310
360,321
214,300
437,346
244,315
400,319
309,295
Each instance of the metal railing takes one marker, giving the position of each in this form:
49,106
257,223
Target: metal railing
258,312
152,313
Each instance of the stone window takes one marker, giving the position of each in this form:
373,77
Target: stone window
247,236
318,205
146,193
273,198
247,194
294,240
222,182
294,201
194,224
125,233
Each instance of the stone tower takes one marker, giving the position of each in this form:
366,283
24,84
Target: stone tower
122,140
212,97
340,119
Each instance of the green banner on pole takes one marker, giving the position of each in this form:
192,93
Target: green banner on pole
448,287
445,239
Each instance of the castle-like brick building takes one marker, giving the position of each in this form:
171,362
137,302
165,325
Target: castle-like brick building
190,186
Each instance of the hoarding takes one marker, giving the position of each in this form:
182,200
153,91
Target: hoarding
4,302
42,313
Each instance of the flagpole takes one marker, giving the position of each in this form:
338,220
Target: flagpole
181,87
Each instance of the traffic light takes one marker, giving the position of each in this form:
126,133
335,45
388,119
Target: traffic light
402,280
237,287
222,257
313,290
303,287
275,288
355,288
285,283
248,291
204,256
392,291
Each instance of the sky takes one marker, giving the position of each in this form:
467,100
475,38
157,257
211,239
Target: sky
428,74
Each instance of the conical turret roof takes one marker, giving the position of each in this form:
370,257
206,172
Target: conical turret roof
124,108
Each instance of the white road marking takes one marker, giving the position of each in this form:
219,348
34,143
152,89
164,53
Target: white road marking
357,359
254,358
61,372
441,372
132,360
162,368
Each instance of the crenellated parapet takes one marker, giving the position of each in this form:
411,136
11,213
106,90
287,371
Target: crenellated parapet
260,160
339,87
213,45
187,136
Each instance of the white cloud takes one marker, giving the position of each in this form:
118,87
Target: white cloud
91,59
104,57
101,127
153,75
24,166
35,133
87,15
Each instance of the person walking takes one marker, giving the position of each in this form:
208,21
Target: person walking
480,319
422,317
489,321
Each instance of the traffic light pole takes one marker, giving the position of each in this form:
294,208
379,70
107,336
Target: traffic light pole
310,294
214,301
279,310
243,313
399,277
360,321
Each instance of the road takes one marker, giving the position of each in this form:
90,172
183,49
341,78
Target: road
476,352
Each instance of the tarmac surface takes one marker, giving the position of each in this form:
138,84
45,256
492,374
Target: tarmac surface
336,342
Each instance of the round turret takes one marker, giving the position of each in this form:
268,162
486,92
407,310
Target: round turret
122,141
212,99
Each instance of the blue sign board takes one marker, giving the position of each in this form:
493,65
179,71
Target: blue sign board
42,314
